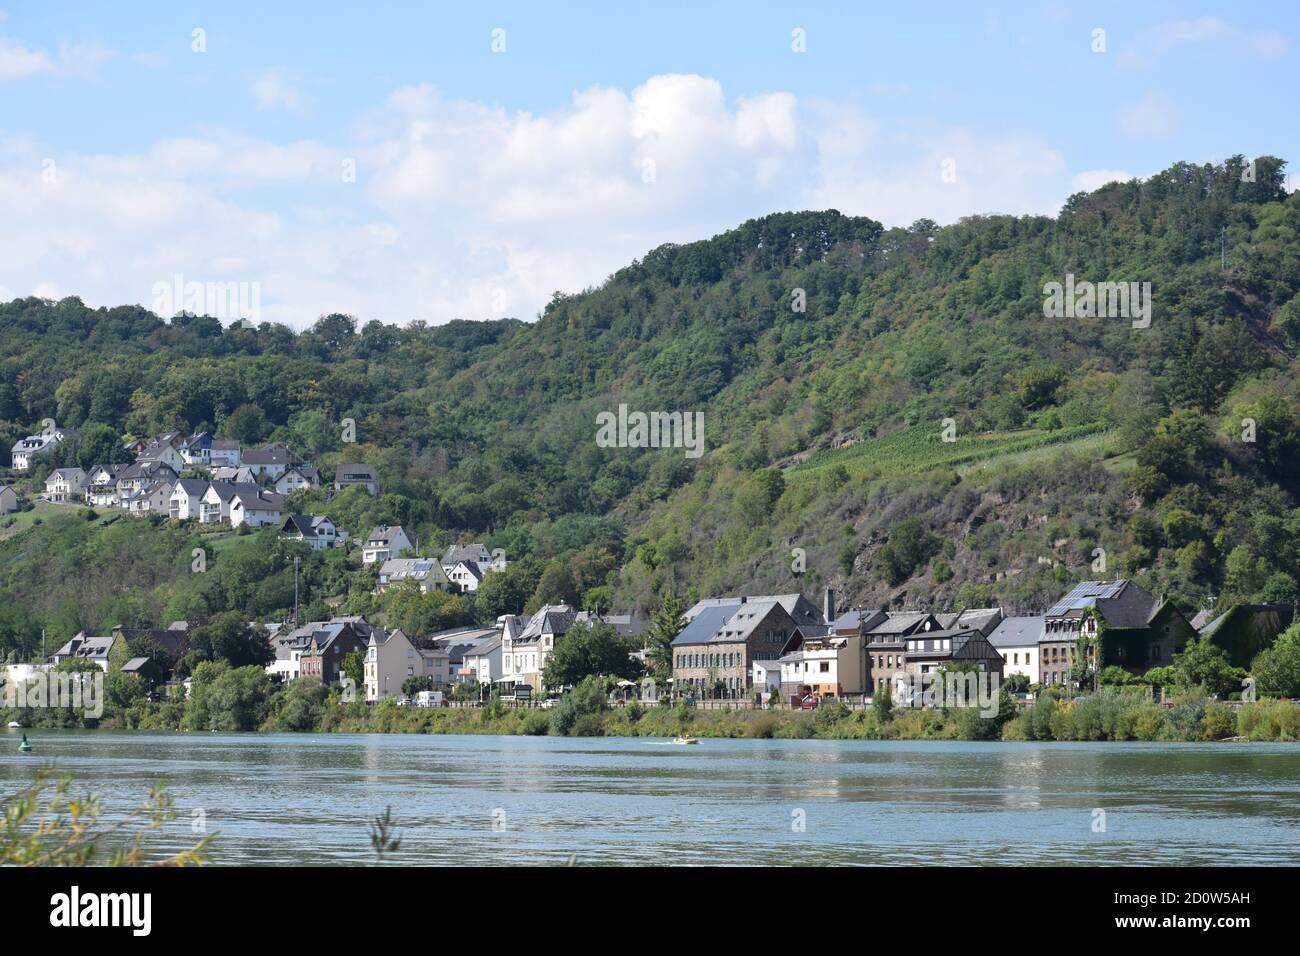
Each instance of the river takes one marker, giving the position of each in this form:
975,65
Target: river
308,799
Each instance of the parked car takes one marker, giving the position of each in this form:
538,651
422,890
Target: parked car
404,702
431,698
549,703
809,702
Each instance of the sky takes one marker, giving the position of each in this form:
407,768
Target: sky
434,161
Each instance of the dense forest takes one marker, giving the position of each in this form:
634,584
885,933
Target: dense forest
887,411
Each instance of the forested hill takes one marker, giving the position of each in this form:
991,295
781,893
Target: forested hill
828,356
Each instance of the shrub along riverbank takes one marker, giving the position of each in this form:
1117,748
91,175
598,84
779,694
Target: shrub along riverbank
227,699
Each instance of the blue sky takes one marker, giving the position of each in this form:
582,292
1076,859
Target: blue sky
485,180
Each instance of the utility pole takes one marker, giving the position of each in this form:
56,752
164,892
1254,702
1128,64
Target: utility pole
296,562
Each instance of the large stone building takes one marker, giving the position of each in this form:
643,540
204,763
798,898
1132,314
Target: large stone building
723,636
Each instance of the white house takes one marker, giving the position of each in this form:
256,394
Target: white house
153,498
101,486
483,662
384,542
1016,639
224,452
255,508
26,450
65,484
297,477
466,576
766,676
197,450
215,505
526,647
316,530
187,498
274,460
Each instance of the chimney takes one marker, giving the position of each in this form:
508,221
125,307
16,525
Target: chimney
828,605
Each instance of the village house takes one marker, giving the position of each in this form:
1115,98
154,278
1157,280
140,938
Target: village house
391,659
828,666
10,500
1244,630
163,450
525,647
133,479
465,577
272,460
322,645
456,553
481,663
297,478
316,530
101,486
384,542
1136,632
930,651
427,574
345,476
765,677
218,499
1016,639
713,653
196,451
65,484
152,498
982,619
255,508
187,499
886,644
26,450
234,475
224,452
104,652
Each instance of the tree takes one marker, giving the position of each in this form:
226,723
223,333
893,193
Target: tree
354,666
1277,669
882,703
669,621
98,445
910,545
227,699
587,650
227,638
1204,664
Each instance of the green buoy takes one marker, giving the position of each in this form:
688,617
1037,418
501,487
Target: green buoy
25,747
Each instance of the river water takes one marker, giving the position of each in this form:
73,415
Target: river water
309,799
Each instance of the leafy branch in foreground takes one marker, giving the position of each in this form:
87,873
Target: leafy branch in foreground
44,825
383,838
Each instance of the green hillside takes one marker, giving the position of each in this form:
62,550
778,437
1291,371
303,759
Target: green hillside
824,427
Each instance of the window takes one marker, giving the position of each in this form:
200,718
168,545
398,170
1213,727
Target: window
826,667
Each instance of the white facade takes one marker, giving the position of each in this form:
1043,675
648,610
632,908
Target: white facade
65,484
384,543
255,510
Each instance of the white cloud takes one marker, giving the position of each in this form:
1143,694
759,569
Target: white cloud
18,61
272,91
1153,116
1163,37
459,209
1092,179
77,60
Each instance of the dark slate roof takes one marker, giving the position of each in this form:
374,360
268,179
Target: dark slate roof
1121,603
195,487
854,617
354,472
270,455
466,552
702,628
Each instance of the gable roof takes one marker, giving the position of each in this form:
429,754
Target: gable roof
1017,631
354,472
259,500
726,623
386,534
194,487
309,526
1121,603
466,552
269,455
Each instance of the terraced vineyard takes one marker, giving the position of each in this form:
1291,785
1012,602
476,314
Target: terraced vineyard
921,449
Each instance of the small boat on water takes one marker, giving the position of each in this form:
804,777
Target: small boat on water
14,725
686,740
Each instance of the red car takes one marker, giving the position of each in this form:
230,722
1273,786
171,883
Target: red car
809,702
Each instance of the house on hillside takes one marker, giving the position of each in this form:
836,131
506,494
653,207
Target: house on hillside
345,476
186,499
255,508
426,573
316,530
132,479
324,647
164,450
384,542
105,652
196,451
465,577
724,636
297,478
272,460
26,451
101,486
10,500
65,485
224,453
234,475
218,499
